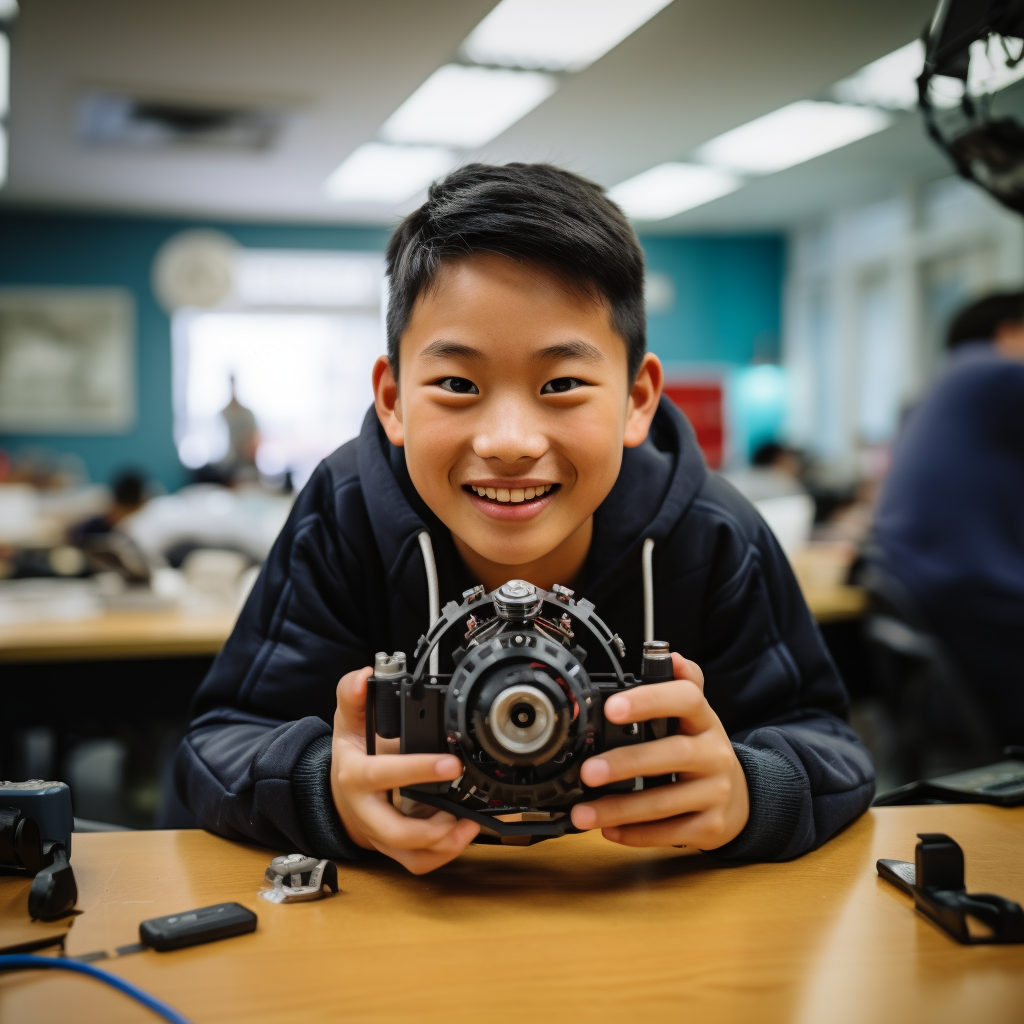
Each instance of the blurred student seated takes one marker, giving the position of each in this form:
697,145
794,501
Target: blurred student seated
128,496
950,520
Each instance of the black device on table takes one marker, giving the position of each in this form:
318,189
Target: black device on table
518,708
35,839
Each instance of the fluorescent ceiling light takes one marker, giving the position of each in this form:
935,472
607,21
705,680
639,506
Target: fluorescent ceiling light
466,106
378,173
890,81
5,74
557,35
8,10
791,135
668,189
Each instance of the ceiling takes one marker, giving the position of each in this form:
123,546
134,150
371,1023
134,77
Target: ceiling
339,68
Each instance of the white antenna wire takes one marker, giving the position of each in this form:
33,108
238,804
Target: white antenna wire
647,565
433,601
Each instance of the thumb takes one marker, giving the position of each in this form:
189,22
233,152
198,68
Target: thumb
684,669
350,715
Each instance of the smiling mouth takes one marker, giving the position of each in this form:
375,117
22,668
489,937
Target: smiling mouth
512,495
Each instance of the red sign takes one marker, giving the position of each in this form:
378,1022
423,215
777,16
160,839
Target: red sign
702,404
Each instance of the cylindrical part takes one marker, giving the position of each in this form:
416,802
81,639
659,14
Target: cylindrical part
387,700
656,666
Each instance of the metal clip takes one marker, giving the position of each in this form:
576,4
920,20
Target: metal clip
562,593
473,594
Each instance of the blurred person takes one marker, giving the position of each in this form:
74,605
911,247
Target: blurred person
239,462
950,520
774,472
128,496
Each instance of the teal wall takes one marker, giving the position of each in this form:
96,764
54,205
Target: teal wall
728,304
726,309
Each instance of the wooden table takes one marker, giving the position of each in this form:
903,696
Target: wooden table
576,928
117,635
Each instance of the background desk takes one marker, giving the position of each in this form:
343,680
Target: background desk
137,634
576,928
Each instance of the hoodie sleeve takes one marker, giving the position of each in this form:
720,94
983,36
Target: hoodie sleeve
771,680
255,762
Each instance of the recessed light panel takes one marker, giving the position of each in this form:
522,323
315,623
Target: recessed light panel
890,81
467,106
5,74
671,188
379,173
791,135
556,35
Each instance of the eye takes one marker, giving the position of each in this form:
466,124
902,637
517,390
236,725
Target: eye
560,385
457,386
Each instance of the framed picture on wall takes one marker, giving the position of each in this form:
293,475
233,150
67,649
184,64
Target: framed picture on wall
67,360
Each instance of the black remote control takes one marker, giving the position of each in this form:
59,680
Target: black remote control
191,927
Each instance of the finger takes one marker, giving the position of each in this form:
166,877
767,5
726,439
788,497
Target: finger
699,831
374,773
350,715
683,668
700,755
419,862
653,804
680,698
386,826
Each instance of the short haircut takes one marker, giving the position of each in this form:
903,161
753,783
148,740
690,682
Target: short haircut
531,213
980,320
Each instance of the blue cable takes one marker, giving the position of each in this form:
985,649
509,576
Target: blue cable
24,962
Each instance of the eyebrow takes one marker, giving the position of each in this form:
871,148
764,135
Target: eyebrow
576,349
571,350
441,348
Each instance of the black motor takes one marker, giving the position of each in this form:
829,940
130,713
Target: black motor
519,710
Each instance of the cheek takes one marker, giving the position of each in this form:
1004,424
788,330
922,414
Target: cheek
597,461
432,446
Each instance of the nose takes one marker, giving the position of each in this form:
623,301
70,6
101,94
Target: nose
509,430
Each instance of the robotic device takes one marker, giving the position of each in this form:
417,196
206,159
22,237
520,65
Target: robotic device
519,709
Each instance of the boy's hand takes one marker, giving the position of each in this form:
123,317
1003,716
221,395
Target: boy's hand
360,784
707,807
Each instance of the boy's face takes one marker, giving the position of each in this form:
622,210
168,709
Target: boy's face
513,405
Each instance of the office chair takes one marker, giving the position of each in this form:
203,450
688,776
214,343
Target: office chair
928,700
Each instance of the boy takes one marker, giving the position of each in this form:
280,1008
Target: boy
518,432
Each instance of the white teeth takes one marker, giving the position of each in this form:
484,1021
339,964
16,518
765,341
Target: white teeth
511,496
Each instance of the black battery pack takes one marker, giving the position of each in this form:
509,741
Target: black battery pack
191,927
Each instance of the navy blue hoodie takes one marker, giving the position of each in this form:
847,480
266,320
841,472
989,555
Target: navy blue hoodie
346,579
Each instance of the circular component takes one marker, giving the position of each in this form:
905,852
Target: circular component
520,716
194,268
517,601
522,720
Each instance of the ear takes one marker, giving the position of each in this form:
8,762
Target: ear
386,401
643,401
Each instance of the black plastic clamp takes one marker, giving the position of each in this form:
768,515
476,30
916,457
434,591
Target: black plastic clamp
936,882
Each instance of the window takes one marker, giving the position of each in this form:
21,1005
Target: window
303,371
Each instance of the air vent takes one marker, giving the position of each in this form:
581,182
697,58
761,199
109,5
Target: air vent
115,119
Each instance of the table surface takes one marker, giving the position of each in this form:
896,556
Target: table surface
142,634
117,634
574,926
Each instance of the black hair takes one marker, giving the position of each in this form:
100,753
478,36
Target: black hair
767,454
129,488
980,320
533,213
